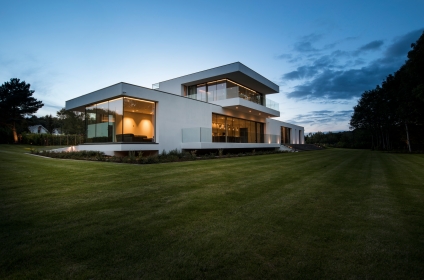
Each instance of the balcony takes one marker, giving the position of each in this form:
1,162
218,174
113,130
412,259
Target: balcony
272,104
252,108
227,93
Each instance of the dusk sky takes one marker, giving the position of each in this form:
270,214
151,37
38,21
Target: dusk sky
322,54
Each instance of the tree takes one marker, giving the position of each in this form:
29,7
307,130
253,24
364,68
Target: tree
50,123
71,122
16,102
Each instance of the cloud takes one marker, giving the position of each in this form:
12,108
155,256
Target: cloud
304,49
49,105
371,46
329,77
402,44
308,71
323,117
305,43
374,45
342,84
301,73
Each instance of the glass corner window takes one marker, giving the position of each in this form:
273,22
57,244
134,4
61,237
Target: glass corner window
121,120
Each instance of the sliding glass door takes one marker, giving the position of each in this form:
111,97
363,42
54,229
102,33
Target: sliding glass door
235,130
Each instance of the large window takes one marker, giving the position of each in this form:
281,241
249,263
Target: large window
235,130
285,135
223,89
121,120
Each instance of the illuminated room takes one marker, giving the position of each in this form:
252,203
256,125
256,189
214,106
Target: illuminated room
121,120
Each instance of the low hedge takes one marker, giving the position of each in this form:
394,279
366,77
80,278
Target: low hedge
51,140
138,158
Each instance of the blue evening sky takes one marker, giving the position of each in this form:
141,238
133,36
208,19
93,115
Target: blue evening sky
322,54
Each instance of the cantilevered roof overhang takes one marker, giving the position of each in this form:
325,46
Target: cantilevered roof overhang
237,72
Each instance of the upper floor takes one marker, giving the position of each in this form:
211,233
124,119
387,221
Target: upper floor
233,86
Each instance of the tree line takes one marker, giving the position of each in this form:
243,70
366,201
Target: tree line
17,109
356,139
65,122
393,113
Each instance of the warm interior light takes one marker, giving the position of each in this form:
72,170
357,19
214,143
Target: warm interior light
120,98
140,100
229,81
217,81
101,103
241,85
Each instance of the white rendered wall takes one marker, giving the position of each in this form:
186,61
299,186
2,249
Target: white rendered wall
274,127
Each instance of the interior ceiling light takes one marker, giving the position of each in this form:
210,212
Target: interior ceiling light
216,81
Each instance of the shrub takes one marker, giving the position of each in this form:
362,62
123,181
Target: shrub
100,156
151,159
34,151
131,156
140,154
137,157
220,152
193,153
176,153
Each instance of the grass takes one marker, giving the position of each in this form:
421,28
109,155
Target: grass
327,214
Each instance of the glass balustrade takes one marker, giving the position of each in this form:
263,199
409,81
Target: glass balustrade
205,135
227,89
272,105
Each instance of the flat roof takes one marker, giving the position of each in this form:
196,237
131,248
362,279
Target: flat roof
114,91
236,71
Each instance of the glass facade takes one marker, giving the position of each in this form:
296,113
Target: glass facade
121,120
223,89
285,135
235,130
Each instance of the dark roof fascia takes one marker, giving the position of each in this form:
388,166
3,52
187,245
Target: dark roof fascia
126,95
237,62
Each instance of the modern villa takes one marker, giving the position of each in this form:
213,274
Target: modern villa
226,107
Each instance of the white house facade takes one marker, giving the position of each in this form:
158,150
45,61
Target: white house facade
226,107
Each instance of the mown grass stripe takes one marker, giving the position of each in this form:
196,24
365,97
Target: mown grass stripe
326,214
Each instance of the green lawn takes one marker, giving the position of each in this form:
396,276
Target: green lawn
326,214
